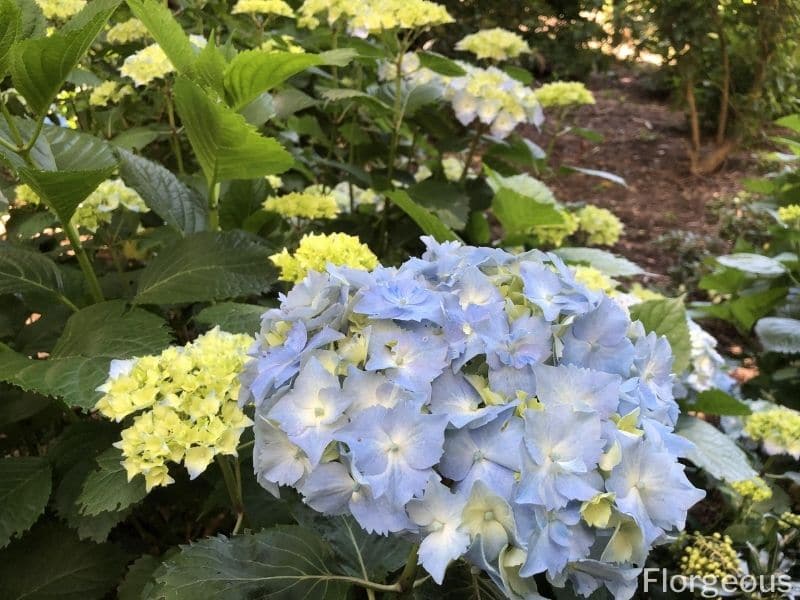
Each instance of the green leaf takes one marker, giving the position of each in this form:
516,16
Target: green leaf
714,451
33,24
74,379
755,264
717,402
748,308
790,122
449,202
164,193
114,330
667,317
136,138
520,74
209,68
519,214
167,32
10,23
778,334
41,155
25,271
17,405
40,66
25,483
65,188
226,146
440,64
108,489
610,264
206,266
282,563
138,577
234,317
51,562
254,72
427,221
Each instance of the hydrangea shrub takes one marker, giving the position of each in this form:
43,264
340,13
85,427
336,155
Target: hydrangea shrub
485,403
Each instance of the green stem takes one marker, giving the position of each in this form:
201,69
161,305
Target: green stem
473,148
83,261
213,205
174,139
67,302
233,482
12,128
398,115
406,582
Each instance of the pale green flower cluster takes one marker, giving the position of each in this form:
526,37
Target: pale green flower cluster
564,93
710,555
790,215
778,430
185,402
341,193
151,63
453,168
595,279
263,7
316,251
496,99
601,226
755,489
373,16
309,204
60,10
109,92
126,32
282,43
496,44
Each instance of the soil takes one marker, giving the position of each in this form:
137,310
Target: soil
644,141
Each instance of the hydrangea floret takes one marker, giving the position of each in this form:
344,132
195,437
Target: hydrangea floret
60,10
126,32
486,403
151,62
309,204
710,556
496,99
601,226
316,251
754,490
263,7
790,216
109,92
366,17
564,93
496,44
181,406
777,428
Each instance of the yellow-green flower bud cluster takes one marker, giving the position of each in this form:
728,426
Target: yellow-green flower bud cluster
755,490
24,195
126,32
282,43
496,44
564,93
263,7
790,215
555,235
710,556
778,430
316,251
601,226
60,10
594,279
789,520
303,205
186,398
109,92
151,63
373,16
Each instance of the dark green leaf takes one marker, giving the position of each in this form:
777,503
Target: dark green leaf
717,402
233,316
254,72
33,23
226,146
114,330
427,221
167,32
164,193
24,271
667,317
40,66
518,73
714,451
51,563
206,266
446,199
136,138
139,575
108,489
24,490
440,64
283,563
17,405
10,23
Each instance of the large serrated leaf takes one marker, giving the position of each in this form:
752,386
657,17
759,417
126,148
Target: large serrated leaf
24,490
40,66
23,271
207,266
10,23
717,402
226,146
428,222
283,563
114,330
519,214
74,379
755,264
137,578
164,193
254,72
778,334
51,562
234,317
714,451
667,317
107,489
167,32
610,264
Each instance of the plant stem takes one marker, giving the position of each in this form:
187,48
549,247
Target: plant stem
83,261
406,581
174,139
398,115
12,128
473,148
213,205
233,482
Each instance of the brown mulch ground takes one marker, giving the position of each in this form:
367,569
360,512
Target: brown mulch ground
645,143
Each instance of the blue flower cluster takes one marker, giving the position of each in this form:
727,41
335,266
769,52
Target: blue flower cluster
484,402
